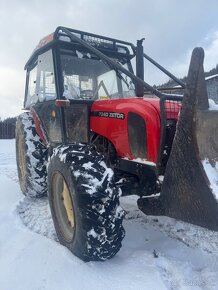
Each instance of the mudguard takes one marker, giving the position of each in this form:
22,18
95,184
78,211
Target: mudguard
186,192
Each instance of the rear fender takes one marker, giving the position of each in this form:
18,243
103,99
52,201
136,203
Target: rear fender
38,125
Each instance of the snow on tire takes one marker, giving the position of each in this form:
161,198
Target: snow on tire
84,203
31,155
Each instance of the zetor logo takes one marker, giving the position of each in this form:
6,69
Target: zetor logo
112,115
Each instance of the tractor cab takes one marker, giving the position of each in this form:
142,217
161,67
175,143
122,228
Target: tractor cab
61,68
73,69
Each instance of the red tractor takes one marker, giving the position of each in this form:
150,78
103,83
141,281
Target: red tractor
93,130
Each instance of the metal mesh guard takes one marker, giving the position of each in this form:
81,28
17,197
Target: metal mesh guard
172,109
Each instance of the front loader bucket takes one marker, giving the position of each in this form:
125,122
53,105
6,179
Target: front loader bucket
186,191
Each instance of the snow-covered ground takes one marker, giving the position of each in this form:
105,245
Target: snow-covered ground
158,253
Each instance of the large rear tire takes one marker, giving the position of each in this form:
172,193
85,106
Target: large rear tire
31,155
84,203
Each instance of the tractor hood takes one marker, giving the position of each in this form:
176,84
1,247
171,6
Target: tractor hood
112,119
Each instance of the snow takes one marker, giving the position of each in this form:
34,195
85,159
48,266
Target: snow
212,105
92,233
211,77
94,183
212,174
88,165
158,252
141,160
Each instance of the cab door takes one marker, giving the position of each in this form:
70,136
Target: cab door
41,94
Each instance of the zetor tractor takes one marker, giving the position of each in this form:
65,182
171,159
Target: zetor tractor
93,130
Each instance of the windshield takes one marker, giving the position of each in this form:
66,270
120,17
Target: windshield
87,77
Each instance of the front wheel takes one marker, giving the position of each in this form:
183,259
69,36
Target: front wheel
85,203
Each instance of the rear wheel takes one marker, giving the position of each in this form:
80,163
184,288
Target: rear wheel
31,155
85,203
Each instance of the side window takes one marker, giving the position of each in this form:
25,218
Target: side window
31,97
46,89
107,85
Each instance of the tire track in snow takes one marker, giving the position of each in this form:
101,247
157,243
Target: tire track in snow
8,164
188,234
187,258
178,275
35,215
10,172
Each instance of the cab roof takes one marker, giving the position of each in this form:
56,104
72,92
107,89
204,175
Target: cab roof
102,43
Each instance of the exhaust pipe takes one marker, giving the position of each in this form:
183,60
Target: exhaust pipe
139,68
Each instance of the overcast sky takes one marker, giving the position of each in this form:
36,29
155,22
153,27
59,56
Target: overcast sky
172,28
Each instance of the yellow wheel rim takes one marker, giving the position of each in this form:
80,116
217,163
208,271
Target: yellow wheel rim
68,204
22,157
63,206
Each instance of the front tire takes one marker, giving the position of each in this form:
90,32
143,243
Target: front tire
31,156
85,203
